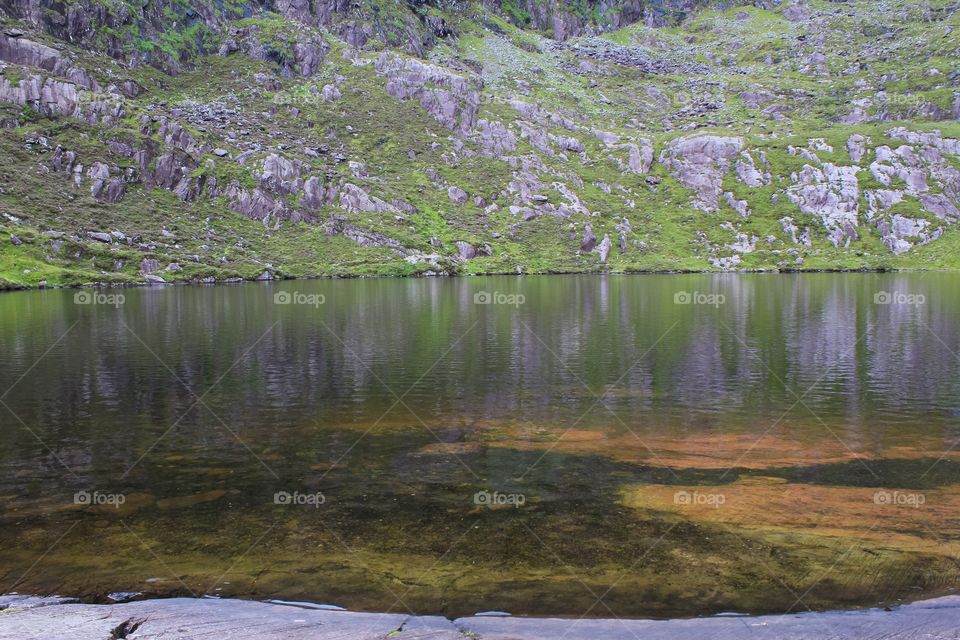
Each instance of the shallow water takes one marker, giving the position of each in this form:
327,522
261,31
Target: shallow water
780,442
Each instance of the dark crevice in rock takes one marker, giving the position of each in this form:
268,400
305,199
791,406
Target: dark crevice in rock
126,628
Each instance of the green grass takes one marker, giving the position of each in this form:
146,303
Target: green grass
742,48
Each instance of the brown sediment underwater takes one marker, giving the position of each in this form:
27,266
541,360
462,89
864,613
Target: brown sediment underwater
905,519
776,445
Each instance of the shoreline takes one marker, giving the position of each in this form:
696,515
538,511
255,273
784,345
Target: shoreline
240,281
50,617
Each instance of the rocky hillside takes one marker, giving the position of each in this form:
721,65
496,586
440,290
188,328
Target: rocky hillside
166,140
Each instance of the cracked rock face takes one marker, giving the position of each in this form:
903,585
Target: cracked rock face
748,172
354,199
28,53
832,194
699,162
496,139
857,147
451,99
940,206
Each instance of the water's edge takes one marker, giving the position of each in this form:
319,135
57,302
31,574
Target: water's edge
49,617
480,274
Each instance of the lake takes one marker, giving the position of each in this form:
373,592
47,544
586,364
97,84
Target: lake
649,445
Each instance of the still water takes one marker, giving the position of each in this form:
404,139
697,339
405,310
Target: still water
568,445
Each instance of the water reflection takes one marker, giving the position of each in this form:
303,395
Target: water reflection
401,398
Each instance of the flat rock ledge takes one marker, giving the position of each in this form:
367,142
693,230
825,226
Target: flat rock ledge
49,618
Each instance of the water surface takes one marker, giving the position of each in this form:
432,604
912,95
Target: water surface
659,445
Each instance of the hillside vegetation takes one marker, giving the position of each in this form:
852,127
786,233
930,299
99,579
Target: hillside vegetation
166,141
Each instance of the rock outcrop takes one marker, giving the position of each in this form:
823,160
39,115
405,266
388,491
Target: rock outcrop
699,162
451,99
832,194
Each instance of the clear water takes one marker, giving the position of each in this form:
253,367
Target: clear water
789,445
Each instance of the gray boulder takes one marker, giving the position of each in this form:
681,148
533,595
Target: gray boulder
458,195
589,240
604,248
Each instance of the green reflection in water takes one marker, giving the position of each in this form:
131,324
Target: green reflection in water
591,386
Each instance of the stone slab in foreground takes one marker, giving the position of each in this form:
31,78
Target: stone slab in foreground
52,618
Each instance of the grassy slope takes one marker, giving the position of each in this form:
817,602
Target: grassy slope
371,126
